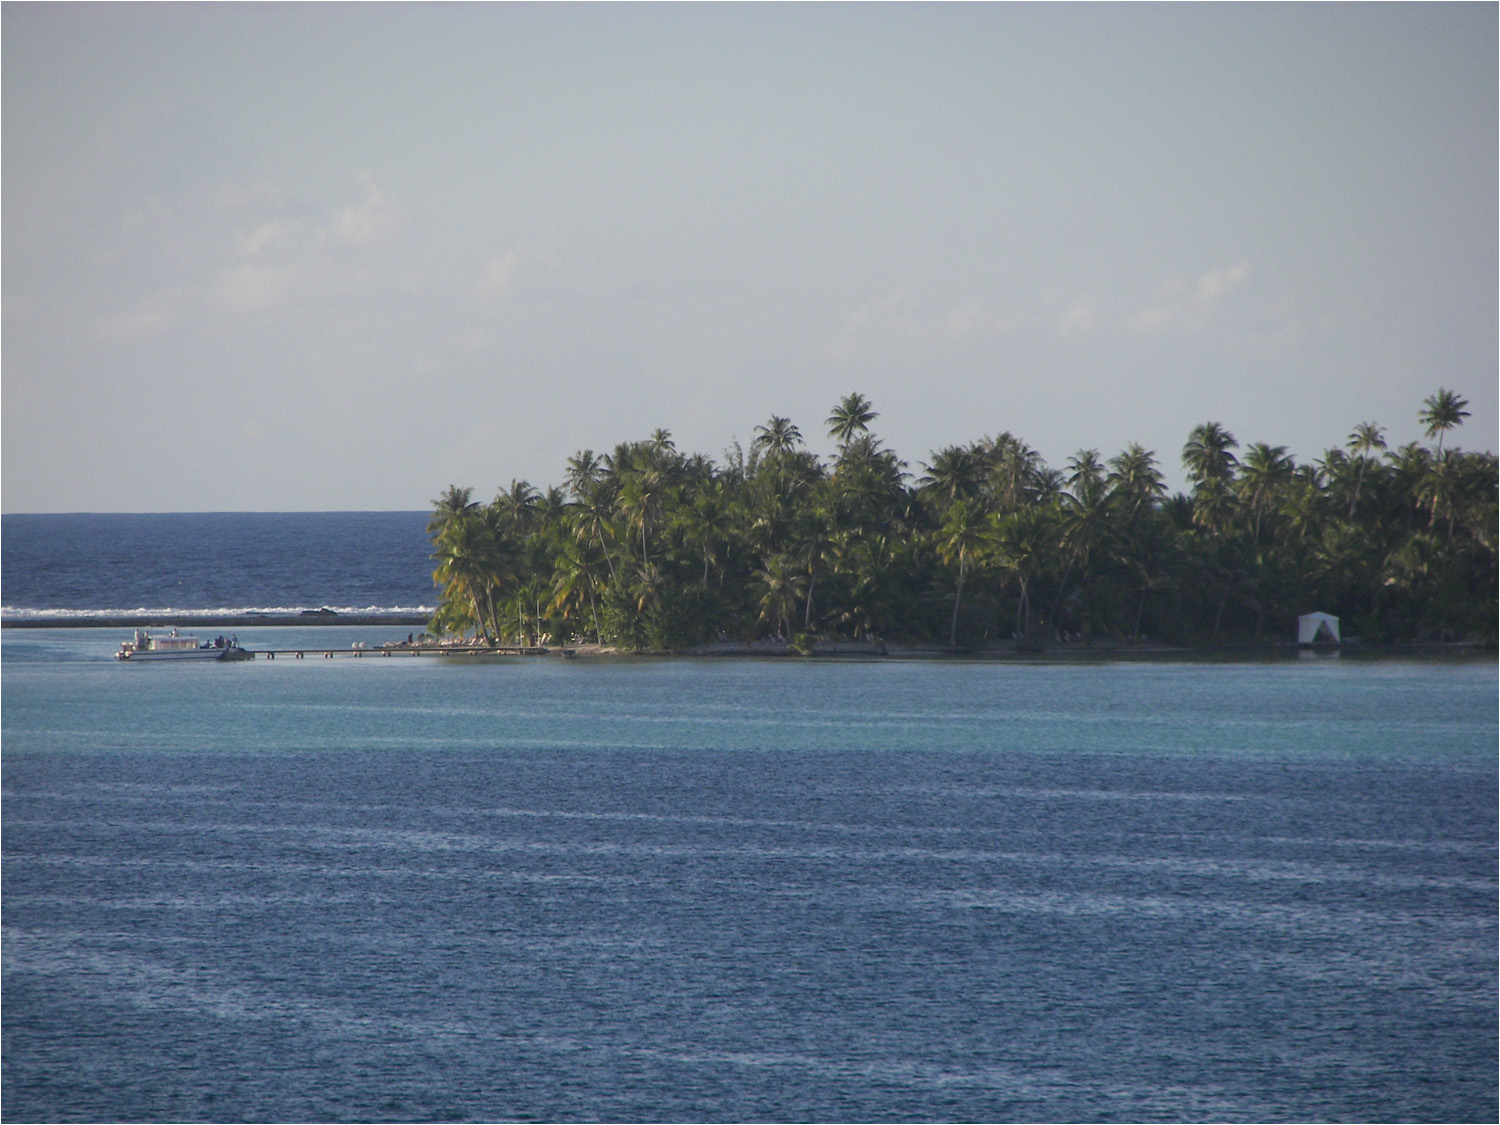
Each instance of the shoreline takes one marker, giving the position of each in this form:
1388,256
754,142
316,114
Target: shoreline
766,648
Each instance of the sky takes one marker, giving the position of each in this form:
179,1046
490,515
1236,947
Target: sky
306,257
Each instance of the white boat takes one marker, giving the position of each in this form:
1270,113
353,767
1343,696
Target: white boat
179,646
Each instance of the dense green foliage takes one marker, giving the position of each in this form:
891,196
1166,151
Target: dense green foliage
648,548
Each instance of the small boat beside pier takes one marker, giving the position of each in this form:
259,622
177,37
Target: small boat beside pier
173,645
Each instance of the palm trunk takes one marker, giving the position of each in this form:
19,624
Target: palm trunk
493,626
1062,588
957,597
812,581
605,548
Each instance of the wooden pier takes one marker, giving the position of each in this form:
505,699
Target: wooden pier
407,650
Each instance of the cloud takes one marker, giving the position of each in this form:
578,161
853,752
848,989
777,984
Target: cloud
255,287
257,195
900,319
1188,307
281,260
502,274
157,314
497,277
270,235
1077,321
372,222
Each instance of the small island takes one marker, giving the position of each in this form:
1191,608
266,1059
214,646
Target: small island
648,549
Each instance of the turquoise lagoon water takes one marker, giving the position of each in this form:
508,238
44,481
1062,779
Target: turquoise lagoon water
415,889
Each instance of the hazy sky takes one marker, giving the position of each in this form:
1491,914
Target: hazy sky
307,257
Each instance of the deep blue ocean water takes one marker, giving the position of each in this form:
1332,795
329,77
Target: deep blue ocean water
69,566
421,889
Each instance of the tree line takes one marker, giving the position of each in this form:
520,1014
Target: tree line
648,548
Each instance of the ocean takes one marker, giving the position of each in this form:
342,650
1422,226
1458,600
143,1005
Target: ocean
739,889
71,567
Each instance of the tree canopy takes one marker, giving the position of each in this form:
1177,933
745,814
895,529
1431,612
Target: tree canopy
650,548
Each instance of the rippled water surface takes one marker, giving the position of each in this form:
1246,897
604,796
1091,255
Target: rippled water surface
82,565
745,890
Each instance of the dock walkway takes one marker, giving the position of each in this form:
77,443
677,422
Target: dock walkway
407,650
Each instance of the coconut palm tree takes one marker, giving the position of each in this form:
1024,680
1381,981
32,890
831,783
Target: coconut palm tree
1134,480
1015,470
1207,456
781,587
955,473
814,532
453,504
1085,473
1083,517
641,499
518,504
584,473
475,559
575,577
776,436
1018,543
964,529
851,417
707,523
1442,412
1439,491
1266,470
1364,440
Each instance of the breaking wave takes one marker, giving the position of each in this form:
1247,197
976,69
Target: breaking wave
25,613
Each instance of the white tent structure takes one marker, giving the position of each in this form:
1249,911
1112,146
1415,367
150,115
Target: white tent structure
1311,626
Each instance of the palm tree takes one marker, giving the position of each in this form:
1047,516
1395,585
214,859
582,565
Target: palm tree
1444,410
813,533
1364,440
850,417
518,503
1409,465
1210,468
591,524
1134,480
584,473
1146,551
781,588
707,524
1439,491
1018,543
1015,469
1083,516
1085,472
474,559
1206,455
776,436
453,504
574,577
962,531
640,500
1267,469
955,473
